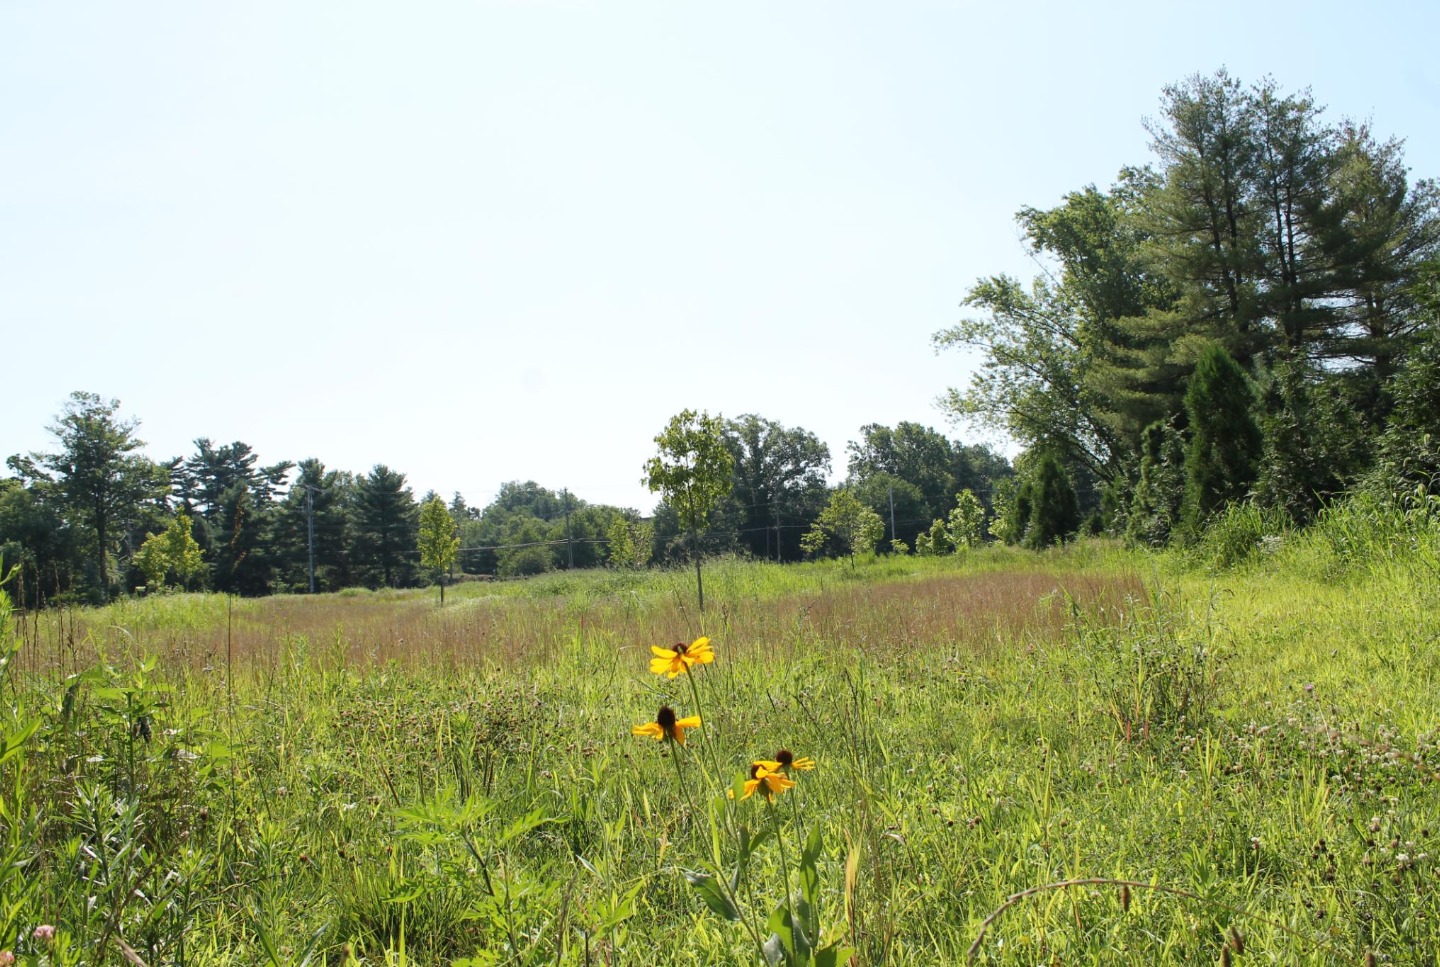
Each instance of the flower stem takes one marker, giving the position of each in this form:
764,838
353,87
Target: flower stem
784,864
717,775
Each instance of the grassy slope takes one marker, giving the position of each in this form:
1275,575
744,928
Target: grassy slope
1260,740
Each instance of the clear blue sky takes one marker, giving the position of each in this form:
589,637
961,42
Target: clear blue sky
489,241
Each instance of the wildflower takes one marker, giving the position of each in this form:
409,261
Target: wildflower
45,933
785,759
667,726
6,958
674,661
765,776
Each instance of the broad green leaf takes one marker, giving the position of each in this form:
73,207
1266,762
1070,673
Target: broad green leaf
709,889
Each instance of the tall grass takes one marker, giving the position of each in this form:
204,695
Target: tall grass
395,781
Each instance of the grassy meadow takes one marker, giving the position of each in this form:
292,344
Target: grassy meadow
1091,755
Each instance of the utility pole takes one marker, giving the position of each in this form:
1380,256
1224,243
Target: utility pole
569,544
892,515
776,502
310,530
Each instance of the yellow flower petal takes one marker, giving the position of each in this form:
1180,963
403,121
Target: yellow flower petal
665,653
776,782
649,729
689,722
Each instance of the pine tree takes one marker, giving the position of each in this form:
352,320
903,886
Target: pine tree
1160,492
1225,442
387,527
1054,506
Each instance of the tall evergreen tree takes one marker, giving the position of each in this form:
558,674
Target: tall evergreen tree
386,528
1054,508
104,483
320,500
1159,494
1225,442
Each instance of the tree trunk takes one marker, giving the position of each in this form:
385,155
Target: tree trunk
102,535
699,584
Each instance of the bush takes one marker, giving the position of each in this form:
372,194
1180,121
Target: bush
1238,534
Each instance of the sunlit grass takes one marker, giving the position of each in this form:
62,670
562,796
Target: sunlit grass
379,773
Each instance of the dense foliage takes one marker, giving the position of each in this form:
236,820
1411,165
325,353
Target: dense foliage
292,527
1299,247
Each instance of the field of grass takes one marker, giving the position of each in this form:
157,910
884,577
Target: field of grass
1086,756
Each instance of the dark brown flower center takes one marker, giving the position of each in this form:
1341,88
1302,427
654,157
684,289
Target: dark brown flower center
785,757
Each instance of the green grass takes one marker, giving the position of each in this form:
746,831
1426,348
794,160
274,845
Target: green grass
368,778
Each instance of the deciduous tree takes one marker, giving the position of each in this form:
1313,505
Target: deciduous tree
173,552
779,483
438,541
693,469
846,525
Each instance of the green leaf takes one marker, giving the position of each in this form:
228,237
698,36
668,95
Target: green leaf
13,742
709,889
793,937
748,843
833,956
808,906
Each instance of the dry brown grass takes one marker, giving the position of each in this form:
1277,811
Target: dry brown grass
954,612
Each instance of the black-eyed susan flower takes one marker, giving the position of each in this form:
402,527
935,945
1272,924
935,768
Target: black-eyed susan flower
667,726
678,660
766,777
786,761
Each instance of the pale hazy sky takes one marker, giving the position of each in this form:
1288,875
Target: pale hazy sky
508,240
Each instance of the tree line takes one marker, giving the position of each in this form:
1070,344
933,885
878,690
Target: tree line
1250,316
94,517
